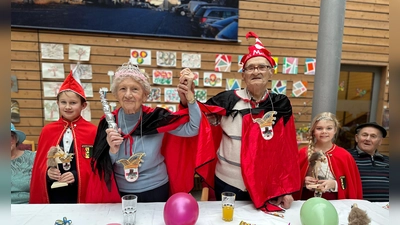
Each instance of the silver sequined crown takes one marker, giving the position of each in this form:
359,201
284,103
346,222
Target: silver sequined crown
130,69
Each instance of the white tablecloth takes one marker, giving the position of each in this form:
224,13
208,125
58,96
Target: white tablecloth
152,213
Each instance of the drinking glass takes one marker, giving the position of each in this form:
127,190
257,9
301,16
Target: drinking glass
129,205
228,204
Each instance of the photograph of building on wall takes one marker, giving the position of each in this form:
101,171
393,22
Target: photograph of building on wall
160,18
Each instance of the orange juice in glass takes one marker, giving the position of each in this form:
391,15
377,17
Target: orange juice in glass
228,205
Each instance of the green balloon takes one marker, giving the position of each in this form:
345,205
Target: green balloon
318,211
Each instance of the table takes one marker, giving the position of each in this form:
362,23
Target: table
152,213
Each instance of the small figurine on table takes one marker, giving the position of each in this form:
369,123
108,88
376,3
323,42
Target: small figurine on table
358,216
56,157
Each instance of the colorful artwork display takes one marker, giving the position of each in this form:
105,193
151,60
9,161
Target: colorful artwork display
88,88
14,83
191,60
299,88
166,59
52,51
309,66
279,86
155,95
200,95
196,78
50,89
223,63
163,77
212,79
171,95
15,117
79,52
140,57
53,70
276,59
86,113
170,107
240,65
290,65
85,71
50,110
232,84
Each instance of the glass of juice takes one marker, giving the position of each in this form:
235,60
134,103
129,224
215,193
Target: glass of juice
228,204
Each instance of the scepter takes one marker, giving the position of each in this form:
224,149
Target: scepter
107,111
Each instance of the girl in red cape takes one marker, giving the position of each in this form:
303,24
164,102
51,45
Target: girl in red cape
327,170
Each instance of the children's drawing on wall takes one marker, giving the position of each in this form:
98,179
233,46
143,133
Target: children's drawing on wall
341,86
200,95
171,95
276,59
232,84
309,67
53,70
385,118
86,113
14,83
166,58
50,110
140,57
88,88
79,52
50,89
196,78
155,95
85,71
223,63
191,60
240,65
163,77
299,88
15,118
52,51
279,86
290,65
212,79
170,107
147,104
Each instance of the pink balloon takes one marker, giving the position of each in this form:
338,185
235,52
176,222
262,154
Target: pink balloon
181,209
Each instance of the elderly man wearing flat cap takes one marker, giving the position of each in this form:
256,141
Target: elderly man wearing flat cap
373,166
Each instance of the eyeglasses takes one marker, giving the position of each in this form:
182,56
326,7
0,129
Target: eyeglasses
261,68
373,136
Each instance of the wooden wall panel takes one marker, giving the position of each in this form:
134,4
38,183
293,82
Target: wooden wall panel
288,28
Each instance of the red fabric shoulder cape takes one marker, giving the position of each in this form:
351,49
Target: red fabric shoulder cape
344,169
84,133
184,157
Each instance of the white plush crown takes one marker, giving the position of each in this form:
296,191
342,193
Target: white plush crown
130,69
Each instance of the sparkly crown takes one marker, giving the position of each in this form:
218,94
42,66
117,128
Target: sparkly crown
130,69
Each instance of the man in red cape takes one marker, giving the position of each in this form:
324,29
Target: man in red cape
257,150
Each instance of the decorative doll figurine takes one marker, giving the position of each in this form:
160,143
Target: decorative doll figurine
55,157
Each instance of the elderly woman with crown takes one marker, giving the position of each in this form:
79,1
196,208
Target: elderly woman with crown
257,151
151,152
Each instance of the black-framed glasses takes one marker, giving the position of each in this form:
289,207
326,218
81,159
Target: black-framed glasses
261,68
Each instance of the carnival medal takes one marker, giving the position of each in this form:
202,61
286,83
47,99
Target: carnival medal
131,166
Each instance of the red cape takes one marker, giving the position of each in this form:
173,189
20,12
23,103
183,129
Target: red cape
184,156
342,165
271,169
84,133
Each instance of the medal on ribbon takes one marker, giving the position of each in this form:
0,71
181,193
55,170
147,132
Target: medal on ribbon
131,166
266,123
